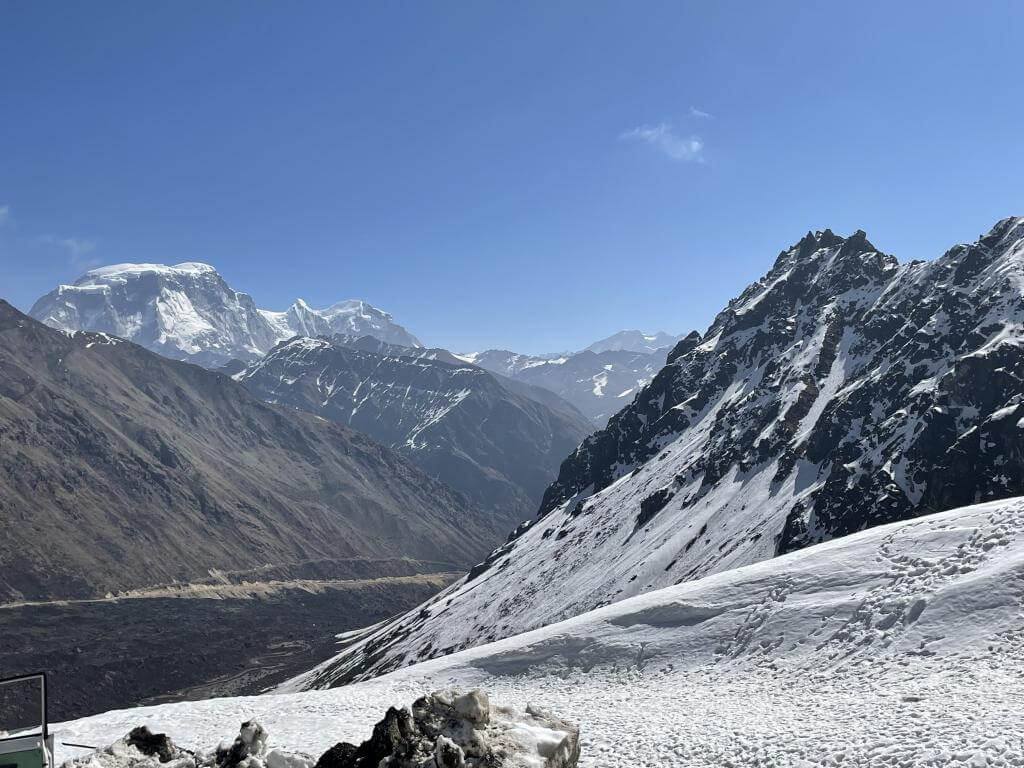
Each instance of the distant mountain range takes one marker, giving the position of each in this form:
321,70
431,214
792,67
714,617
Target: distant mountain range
188,312
597,383
498,441
841,391
122,469
635,341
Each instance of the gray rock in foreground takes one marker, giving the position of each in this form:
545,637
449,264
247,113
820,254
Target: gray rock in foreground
451,730
445,729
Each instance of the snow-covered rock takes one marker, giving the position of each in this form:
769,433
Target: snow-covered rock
897,646
189,312
141,748
841,391
448,729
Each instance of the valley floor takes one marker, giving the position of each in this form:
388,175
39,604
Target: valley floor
899,646
192,641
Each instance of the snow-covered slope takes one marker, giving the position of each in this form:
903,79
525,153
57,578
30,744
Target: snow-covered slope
189,312
635,341
842,390
898,646
597,383
496,443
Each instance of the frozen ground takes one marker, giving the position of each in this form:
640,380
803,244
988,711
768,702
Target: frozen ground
900,646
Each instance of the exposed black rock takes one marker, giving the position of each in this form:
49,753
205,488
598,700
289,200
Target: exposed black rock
451,730
158,745
691,340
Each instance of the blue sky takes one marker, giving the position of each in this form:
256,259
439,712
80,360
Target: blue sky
523,175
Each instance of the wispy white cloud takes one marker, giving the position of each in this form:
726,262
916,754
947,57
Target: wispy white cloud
77,249
700,113
665,140
5,214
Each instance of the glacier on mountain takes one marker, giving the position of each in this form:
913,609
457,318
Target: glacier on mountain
189,312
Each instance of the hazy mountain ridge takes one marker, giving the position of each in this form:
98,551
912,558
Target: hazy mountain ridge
840,391
635,341
598,384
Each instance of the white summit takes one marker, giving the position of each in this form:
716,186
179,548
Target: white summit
188,311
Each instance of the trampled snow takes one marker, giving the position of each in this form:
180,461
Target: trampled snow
899,646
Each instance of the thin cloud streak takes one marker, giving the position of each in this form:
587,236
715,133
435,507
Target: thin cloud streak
700,114
664,139
77,249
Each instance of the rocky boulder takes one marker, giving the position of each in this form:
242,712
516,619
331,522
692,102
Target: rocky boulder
448,729
141,748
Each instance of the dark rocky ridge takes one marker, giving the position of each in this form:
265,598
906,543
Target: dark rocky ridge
919,422
122,469
498,442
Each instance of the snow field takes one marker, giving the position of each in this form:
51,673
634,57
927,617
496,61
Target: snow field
899,646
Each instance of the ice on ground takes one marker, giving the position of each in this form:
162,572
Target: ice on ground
899,646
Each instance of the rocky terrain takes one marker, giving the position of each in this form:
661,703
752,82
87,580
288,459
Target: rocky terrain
122,469
189,312
498,442
841,391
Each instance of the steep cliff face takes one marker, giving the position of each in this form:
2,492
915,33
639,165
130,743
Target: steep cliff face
840,391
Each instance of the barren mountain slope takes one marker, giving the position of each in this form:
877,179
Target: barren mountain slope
121,469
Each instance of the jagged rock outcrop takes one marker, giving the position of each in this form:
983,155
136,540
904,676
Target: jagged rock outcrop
840,391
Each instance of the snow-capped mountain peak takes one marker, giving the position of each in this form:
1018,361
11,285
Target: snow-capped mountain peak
126,271
188,311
